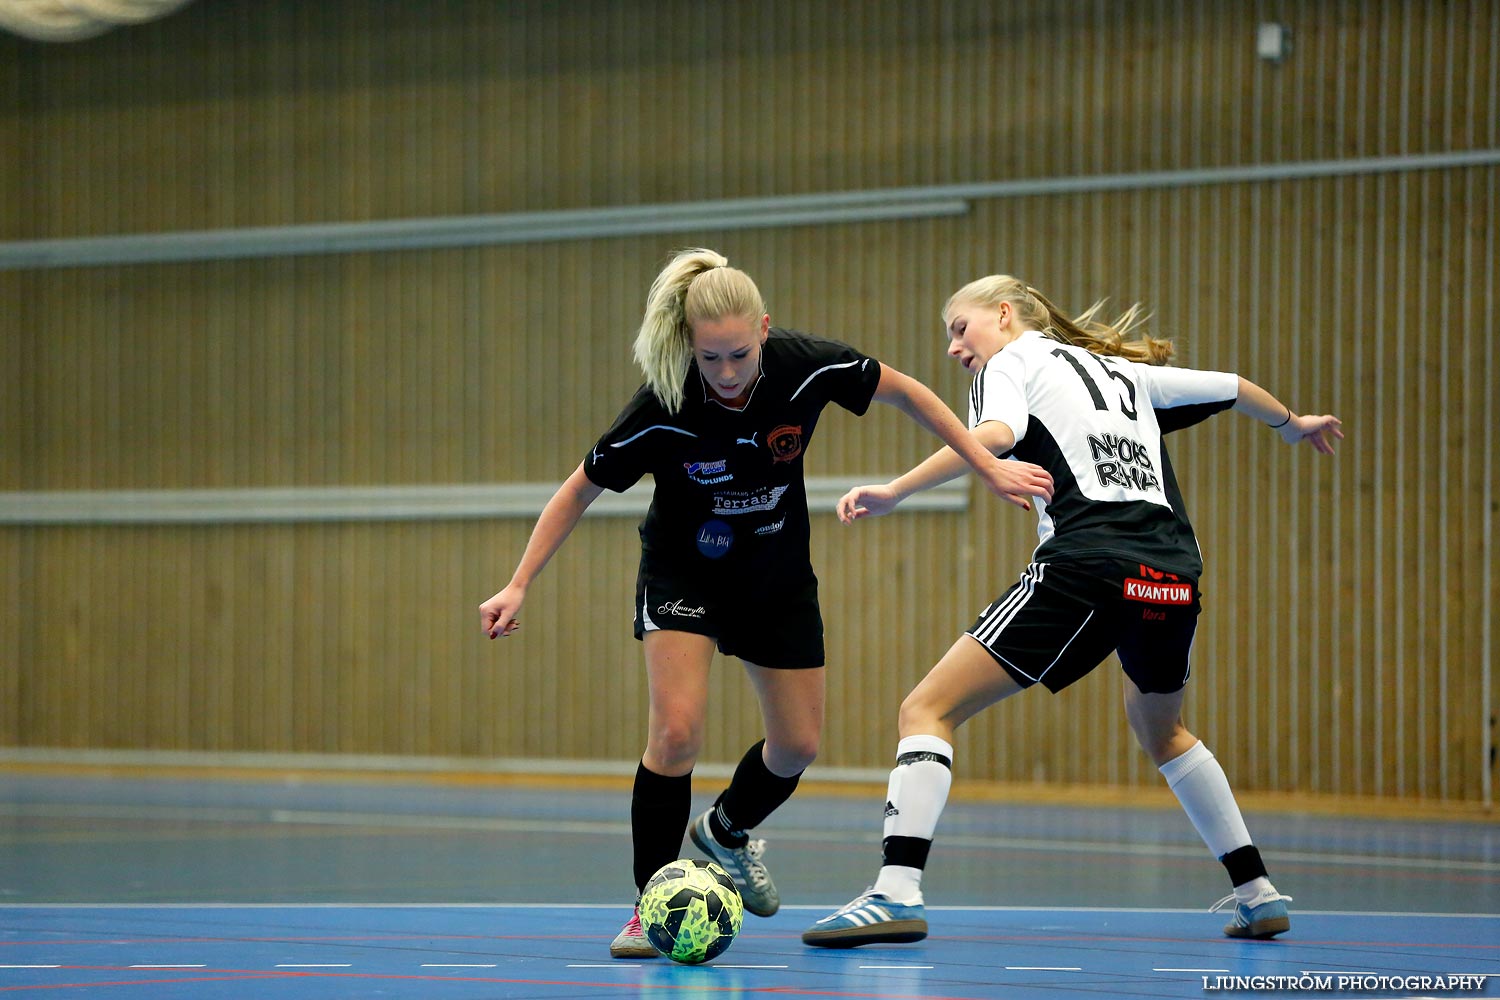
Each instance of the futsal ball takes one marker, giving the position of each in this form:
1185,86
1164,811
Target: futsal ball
691,911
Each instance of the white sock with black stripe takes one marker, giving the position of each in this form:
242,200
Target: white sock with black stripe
915,798
1199,782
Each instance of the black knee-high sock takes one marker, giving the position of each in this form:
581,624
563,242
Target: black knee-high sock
753,794
659,809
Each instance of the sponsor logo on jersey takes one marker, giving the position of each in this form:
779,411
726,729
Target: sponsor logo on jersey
785,442
772,528
749,440
677,608
1122,461
715,538
740,502
1153,592
890,808
708,473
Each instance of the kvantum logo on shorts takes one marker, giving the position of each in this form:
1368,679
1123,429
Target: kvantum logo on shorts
1158,593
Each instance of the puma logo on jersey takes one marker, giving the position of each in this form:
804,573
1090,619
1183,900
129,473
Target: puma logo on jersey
749,440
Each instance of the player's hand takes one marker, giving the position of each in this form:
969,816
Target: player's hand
497,616
1017,482
1317,431
866,501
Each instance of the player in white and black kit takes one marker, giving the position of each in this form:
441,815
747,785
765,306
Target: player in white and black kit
1116,570
723,424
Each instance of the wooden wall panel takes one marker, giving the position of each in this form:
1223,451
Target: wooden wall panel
1348,639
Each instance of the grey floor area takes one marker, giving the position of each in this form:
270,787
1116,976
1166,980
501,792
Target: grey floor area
80,839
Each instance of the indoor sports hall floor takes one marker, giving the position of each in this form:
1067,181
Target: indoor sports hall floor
238,888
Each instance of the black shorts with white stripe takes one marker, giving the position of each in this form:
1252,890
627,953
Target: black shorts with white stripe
778,626
1062,618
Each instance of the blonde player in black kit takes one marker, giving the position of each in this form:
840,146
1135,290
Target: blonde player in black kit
1116,570
723,423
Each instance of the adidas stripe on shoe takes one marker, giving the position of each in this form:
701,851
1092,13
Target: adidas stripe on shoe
870,918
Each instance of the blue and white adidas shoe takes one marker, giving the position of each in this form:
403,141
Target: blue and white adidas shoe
870,918
1262,918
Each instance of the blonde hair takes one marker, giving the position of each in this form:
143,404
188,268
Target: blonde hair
697,284
1034,310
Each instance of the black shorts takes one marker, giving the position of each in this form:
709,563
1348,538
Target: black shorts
771,625
1062,619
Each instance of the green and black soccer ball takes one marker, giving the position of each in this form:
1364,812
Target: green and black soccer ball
691,910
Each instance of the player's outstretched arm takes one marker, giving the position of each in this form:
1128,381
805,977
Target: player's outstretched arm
1318,431
1015,482
498,615
996,437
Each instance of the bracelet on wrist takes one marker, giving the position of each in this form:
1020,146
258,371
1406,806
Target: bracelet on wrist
1284,422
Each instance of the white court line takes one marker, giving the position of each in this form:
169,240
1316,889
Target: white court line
1043,968
613,828
30,967
1193,970
603,965
315,965
718,966
895,966
452,965
175,966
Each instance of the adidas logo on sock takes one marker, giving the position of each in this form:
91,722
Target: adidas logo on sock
890,809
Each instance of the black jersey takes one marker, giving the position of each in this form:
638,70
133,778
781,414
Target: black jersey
1096,424
729,489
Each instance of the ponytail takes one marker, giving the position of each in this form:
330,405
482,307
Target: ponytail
696,284
1107,338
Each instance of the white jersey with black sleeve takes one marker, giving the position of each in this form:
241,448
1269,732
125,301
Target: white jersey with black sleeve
1096,424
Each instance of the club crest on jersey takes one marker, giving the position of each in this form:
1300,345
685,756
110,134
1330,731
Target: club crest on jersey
785,442
708,473
715,538
1122,461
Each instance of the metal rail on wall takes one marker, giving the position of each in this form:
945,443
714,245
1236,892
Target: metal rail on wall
634,220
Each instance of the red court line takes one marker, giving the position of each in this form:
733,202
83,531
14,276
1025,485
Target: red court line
105,938
244,977
1279,942
251,975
